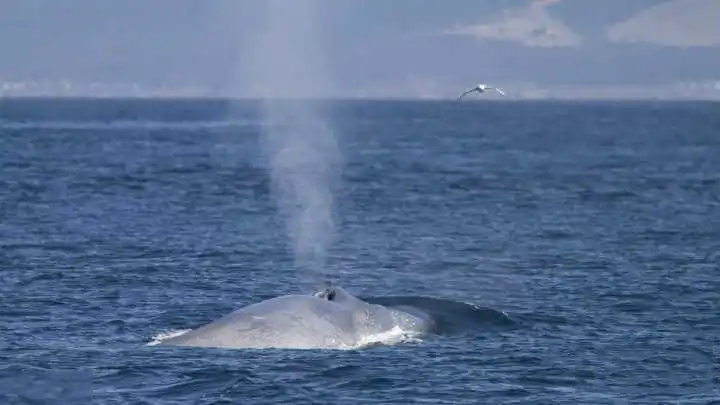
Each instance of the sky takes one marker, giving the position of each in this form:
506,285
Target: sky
369,47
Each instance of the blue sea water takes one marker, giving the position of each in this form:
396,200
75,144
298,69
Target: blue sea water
569,250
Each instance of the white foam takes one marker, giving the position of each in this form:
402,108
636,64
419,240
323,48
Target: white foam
163,336
390,337
394,336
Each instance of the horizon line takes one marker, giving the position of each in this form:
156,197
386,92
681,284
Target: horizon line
368,99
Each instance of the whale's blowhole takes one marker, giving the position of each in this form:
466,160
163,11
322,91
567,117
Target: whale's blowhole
326,294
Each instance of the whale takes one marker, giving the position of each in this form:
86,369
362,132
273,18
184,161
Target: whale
330,318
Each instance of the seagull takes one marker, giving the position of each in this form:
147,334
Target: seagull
481,88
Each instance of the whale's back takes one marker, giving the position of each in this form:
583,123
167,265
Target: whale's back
303,322
291,321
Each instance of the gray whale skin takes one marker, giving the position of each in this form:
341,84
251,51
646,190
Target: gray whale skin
329,319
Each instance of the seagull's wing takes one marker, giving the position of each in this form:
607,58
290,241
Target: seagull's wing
465,94
499,91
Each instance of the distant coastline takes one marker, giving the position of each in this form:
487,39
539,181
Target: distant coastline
680,91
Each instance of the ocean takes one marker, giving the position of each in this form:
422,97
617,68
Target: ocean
568,250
